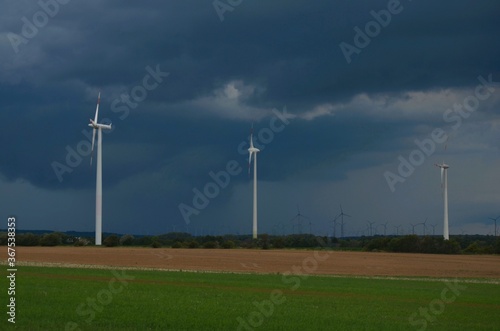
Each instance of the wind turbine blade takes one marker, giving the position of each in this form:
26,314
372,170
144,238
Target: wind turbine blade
93,141
249,161
97,108
442,176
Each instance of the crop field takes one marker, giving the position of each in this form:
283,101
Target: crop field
96,299
128,297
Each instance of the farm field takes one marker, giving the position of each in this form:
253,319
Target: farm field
105,289
270,261
96,299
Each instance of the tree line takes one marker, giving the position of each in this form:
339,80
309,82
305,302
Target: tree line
464,244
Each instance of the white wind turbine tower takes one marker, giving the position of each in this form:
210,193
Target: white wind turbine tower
98,190
444,183
253,151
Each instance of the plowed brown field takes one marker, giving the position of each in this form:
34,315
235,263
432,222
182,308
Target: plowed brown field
270,261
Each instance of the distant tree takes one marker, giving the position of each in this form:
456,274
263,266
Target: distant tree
472,248
27,239
51,239
378,244
227,244
145,240
497,246
3,238
405,244
449,247
79,243
429,244
211,244
111,241
278,243
127,240
156,244
177,244
193,244
264,241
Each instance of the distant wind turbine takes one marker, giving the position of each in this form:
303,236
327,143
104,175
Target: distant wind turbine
424,223
385,227
370,225
413,228
433,228
495,220
299,217
98,191
342,214
335,226
253,151
444,183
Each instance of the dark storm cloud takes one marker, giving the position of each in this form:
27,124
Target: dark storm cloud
222,76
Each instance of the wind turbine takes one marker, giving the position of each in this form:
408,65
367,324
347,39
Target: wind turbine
433,228
298,218
495,220
444,183
335,226
424,224
253,151
98,190
342,214
385,227
413,228
371,224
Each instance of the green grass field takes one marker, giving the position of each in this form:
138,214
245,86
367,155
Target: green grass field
93,299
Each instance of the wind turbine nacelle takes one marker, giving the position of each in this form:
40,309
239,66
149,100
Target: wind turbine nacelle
104,126
253,150
100,126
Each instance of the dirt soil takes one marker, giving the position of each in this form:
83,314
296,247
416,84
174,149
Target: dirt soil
271,261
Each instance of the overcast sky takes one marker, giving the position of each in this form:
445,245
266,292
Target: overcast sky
352,102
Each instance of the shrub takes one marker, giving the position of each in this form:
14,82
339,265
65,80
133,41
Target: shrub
193,244
156,244
177,244
126,240
472,248
377,244
211,244
27,239
111,241
228,244
278,243
79,243
51,239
